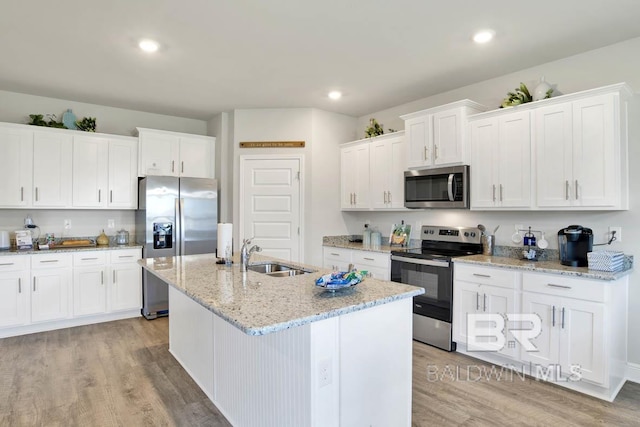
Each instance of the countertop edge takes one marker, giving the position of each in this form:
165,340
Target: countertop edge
12,252
528,266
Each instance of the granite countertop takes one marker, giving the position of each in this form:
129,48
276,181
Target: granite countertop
343,242
549,266
259,304
110,247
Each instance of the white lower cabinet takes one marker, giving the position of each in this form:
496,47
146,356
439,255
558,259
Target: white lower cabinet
583,322
125,292
47,291
14,291
378,264
50,287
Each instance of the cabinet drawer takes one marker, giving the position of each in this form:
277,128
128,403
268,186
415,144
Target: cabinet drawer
337,254
552,284
89,258
50,261
120,256
373,259
486,275
14,263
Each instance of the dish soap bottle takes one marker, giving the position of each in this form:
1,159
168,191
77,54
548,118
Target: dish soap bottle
366,236
102,239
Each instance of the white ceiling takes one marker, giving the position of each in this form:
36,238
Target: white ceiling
218,55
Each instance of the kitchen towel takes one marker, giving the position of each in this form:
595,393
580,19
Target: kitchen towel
225,236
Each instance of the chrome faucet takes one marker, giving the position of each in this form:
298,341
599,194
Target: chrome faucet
245,253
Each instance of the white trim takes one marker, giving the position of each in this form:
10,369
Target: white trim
300,158
633,372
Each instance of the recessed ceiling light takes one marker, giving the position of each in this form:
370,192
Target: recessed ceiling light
483,36
335,95
148,45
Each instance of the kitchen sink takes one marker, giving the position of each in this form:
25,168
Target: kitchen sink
276,269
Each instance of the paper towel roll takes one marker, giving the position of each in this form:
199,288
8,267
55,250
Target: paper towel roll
225,236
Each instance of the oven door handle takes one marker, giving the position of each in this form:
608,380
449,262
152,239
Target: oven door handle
432,263
450,183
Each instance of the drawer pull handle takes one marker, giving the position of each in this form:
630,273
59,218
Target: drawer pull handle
334,254
49,260
551,285
7,263
125,256
369,259
88,259
482,275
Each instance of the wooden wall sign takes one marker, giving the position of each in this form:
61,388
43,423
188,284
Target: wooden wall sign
272,144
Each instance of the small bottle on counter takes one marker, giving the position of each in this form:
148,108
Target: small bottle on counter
366,236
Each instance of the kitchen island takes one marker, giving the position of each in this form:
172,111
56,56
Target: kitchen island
279,351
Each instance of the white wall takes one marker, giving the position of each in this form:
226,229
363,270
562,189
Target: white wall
613,64
322,132
218,126
16,107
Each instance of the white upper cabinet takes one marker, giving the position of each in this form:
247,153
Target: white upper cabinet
16,166
577,160
501,156
354,180
175,154
104,172
51,169
387,166
437,136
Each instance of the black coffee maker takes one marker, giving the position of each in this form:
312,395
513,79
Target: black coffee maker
574,242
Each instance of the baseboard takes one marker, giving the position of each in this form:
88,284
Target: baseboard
633,372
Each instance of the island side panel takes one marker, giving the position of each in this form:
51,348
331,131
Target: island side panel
262,380
191,339
376,365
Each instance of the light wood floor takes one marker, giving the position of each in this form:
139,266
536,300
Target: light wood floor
121,374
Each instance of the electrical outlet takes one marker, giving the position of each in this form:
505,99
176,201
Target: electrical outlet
111,223
324,373
67,224
618,231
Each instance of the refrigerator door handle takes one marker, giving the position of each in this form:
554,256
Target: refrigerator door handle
178,233
182,228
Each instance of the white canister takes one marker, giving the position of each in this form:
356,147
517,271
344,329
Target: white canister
5,242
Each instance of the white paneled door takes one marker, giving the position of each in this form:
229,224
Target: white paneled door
270,204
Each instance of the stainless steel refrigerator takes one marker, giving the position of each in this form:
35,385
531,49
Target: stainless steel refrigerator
175,216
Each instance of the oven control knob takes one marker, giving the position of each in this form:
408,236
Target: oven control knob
466,234
473,234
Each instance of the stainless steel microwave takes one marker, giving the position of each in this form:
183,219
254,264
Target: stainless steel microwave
437,188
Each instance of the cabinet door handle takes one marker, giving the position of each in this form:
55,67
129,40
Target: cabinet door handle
481,275
552,285
36,194
500,192
435,152
173,165
385,197
7,263
426,151
369,259
114,277
99,196
182,167
566,190
562,318
34,284
576,189
19,285
484,302
110,196
22,194
494,192
389,196
477,301
553,315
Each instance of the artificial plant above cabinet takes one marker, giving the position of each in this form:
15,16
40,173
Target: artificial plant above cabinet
437,136
562,153
175,154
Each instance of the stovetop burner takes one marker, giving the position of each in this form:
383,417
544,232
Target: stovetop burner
445,243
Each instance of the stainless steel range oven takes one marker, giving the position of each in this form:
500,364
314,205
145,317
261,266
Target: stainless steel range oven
431,267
